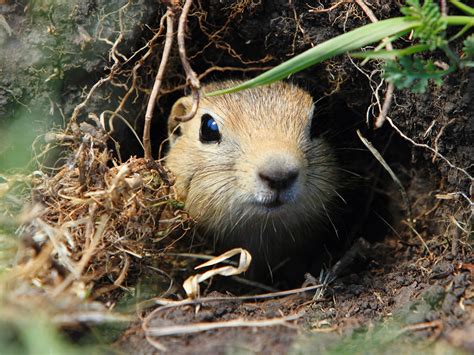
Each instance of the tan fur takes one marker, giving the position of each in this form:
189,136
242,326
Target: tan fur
219,182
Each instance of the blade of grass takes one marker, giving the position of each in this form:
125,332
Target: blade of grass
383,54
461,32
458,20
463,7
382,44
354,39
346,42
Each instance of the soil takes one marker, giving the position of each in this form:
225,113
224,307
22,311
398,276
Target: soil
408,291
378,307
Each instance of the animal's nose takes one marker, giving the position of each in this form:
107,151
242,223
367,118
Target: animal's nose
279,178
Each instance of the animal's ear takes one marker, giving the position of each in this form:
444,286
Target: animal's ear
180,108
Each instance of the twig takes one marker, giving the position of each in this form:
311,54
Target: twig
95,238
201,327
170,303
455,239
421,240
438,136
89,317
367,10
318,10
218,69
158,80
387,102
359,249
194,328
394,177
424,325
390,88
443,7
79,107
191,77
117,283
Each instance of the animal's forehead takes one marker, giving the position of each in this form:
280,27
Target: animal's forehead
277,106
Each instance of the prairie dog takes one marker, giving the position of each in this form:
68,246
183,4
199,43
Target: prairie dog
249,170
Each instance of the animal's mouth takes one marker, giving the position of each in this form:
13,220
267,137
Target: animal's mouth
273,201
271,205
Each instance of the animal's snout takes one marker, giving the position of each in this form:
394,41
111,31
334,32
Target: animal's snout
279,174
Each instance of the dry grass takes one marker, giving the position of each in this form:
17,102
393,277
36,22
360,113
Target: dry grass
95,222
92,224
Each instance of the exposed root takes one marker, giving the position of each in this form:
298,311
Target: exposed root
425,146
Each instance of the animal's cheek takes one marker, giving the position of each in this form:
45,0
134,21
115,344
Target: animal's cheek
245,175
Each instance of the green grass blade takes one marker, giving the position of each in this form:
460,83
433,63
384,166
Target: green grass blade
458,20
384,54
463,7
349,41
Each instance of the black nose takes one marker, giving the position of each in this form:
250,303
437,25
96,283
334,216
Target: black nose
279,178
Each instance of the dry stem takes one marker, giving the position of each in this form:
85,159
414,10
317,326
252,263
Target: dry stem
191,77
390,88
201,327
158,80
394,177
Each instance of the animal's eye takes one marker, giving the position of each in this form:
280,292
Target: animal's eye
209,130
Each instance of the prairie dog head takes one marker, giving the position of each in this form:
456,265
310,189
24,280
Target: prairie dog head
247,166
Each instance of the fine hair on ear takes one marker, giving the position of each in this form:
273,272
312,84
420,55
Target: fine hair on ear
180,108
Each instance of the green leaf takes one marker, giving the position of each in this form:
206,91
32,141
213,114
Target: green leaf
469,47
463,7
413,73
431,30
346,42
393,54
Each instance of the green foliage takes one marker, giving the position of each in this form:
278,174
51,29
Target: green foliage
403,66
344,43
413,73
431,30
463,7
469,47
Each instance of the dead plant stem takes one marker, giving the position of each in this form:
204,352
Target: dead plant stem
382,161
200,327
158,80
191,77
390,88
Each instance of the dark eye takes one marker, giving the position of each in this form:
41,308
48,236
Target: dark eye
209,130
